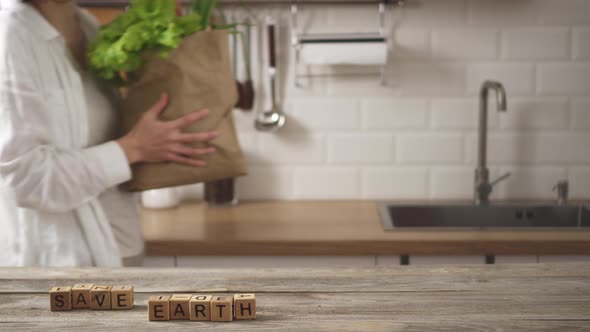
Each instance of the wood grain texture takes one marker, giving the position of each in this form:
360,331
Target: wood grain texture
330,228
453,298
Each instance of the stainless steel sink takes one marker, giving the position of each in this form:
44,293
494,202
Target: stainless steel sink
520,216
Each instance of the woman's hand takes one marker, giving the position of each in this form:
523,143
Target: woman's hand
153,140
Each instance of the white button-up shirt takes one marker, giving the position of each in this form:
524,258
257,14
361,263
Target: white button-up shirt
59,205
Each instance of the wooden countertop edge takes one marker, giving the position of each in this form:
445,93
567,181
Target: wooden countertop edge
361,248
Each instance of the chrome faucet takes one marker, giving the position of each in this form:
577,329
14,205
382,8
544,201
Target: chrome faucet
483,186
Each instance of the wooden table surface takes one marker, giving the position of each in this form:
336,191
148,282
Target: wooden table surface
525,297
330,228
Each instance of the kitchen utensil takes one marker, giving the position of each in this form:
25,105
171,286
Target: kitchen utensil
239,85
248,94
273,119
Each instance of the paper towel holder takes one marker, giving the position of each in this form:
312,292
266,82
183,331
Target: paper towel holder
298,40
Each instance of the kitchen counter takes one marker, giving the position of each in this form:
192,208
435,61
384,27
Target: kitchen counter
330,228
553,297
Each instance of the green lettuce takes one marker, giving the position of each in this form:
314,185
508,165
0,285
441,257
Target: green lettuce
147,25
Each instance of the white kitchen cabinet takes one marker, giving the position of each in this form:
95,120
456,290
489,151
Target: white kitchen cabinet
446,260
514,259
274,261
563,259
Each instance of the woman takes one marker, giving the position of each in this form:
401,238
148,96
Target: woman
60,161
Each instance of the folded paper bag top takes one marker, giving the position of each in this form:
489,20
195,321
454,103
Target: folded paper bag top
195,76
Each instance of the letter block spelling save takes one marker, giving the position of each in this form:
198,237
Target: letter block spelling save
81,296
100,298
61,298
122,297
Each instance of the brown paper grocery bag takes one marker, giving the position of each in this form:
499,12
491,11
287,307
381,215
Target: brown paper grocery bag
197,75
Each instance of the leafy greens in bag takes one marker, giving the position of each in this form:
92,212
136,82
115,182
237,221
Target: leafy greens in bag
148,25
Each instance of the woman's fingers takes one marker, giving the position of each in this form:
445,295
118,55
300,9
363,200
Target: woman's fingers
189,119
159,106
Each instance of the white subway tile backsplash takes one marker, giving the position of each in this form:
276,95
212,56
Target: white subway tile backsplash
358,81
530,183
395,183
423,148
351,19
360,148
284,148
410,44
465,44
564,12
323,113
581,43
563,148
518,79
434,13
326,182
266,183
415,137
535,43
459,114
394,113
428,79
502,13
249,145
452,182
579,182
564,79
244,121
535,113
580,113
530,149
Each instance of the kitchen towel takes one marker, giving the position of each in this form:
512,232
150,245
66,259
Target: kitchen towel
344,53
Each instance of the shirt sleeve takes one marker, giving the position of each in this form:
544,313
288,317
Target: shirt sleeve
38,173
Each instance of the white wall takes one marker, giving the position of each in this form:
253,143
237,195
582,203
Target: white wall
415,138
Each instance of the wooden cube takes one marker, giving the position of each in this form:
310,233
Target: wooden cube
222,309
159,307
60,298
81,296
179,309
100,297
200,307
244,306
122,297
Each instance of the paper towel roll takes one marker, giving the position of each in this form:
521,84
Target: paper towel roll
344,53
